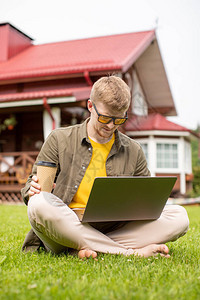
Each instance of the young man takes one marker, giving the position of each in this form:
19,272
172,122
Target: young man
83,152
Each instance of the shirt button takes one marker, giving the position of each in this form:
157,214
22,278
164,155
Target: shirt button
83,167
90,149
76,186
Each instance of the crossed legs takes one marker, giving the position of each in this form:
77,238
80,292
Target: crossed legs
59,228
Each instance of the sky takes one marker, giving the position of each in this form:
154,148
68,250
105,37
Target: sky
177,24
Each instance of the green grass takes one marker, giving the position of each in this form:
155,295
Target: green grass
45,276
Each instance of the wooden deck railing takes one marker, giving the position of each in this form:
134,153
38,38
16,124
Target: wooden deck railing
15,168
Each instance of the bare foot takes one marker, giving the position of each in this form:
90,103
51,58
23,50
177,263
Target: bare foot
87,253
153,250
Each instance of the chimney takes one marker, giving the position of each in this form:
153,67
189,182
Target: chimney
12,41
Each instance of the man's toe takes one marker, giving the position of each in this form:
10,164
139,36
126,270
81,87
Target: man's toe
87,253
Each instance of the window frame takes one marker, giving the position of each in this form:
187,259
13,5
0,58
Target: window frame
170,160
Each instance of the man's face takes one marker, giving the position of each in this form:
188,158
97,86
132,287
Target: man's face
104,130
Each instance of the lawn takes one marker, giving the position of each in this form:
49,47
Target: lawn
45,276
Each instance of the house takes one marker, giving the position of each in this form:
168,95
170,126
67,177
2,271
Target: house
46,86
167,147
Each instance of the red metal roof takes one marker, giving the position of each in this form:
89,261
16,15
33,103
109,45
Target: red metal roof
116,52
152,122
80,94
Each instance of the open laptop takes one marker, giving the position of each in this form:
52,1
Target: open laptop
127,198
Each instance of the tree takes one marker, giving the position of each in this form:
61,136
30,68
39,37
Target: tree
196,164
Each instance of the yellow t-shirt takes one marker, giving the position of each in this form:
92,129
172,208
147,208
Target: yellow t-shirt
96,168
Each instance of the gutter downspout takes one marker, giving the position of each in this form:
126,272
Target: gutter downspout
87,78
48,109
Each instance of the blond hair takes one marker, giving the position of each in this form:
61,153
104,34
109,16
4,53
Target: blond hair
112,91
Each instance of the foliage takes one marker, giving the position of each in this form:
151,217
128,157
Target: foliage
195,150
46,276
8,123
195,168
196,181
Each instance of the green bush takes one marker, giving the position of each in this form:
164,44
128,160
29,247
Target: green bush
195,169
196,180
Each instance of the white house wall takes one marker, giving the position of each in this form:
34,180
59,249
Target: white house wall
188,157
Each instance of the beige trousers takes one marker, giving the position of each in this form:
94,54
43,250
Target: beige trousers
59,228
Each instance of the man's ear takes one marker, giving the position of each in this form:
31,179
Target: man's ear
89,105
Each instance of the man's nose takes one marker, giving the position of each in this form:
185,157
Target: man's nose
111,125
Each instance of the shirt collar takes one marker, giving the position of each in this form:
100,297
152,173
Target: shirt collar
83,132
120,139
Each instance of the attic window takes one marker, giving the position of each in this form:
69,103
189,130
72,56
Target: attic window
140,107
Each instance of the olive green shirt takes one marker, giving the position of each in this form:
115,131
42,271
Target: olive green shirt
71,150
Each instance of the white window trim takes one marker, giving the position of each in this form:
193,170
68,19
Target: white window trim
151,141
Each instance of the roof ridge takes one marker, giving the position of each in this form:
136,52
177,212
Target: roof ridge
95,54
97,37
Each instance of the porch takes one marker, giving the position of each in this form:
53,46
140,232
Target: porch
15,168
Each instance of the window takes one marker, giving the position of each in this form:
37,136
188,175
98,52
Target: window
140,107
167,155
145,149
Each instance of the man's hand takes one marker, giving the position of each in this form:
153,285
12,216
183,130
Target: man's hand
35,187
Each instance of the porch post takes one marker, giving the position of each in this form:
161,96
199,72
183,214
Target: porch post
47,121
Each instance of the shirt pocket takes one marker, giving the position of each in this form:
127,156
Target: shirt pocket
120,169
